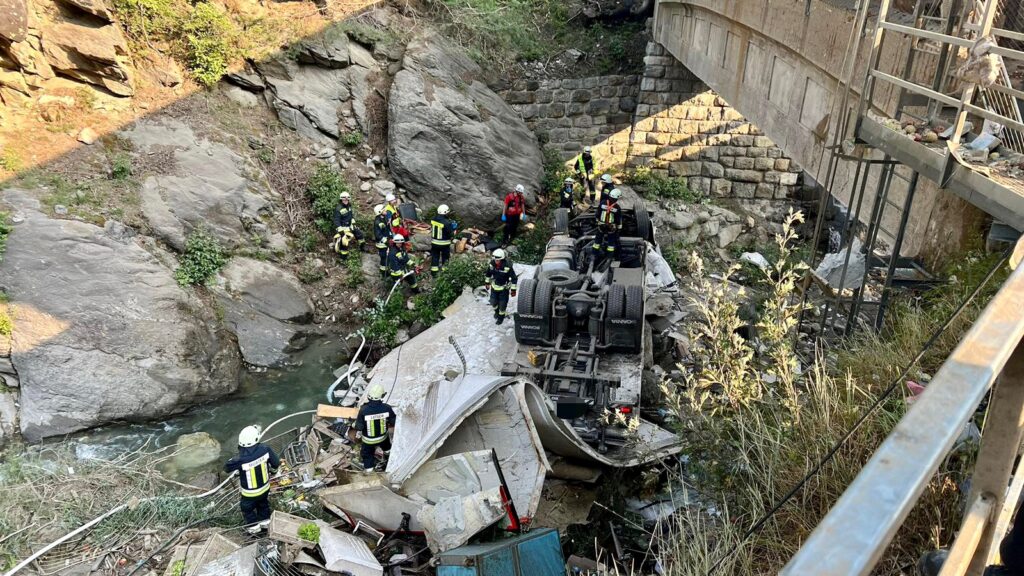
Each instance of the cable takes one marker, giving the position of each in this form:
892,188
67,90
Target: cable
863,417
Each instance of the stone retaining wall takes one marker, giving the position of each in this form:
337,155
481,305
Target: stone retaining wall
568,114
665,119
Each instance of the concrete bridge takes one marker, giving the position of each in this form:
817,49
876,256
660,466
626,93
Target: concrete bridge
780,64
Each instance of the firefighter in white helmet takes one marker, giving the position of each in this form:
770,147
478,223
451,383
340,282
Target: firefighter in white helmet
373,423
442,233
255,463
503,283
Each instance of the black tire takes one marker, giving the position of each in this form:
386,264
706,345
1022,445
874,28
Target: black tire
525,294
564,279
644,228
543,298
635,303
561,221
616,301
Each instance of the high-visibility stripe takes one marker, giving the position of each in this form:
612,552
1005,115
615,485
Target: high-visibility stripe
441,242
496,287
258,492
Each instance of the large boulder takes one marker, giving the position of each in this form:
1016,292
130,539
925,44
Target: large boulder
13,20
307,98
102,332
98,56
205,186
265,307
452,139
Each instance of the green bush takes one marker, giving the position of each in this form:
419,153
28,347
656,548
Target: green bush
323,190
555,171
309,532
653,185
121,167
531,244
354,271
202,259
145,18
352,138
447,286
5,231
10,160
6,322
210,37
381,323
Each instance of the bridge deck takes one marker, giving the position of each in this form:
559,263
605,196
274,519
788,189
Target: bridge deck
996,194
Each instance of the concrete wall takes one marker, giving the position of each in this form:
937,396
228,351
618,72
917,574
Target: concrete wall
780,68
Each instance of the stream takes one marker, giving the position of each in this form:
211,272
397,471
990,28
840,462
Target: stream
262,398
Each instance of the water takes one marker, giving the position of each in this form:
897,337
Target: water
261,399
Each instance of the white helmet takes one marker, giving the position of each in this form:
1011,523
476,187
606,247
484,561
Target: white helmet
443,209
399,238
249,436
389,198
615,194
345,196
520,188
378,209
606,178
376,392
569,180
587,149
499,254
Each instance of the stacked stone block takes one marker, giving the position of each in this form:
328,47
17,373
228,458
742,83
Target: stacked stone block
568,114
683,129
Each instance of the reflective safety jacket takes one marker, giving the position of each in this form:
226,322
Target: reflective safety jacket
585,163
442,230
394,218
608,213
381,230
606,192
254,464
567,196
344,241
373,421
398,260
501,277
344,216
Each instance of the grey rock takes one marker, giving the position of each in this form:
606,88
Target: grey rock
117,231
240,96
452,140
262,306
104,332
728,234
208,188
8,416
307,98
330,50
360,56
250,82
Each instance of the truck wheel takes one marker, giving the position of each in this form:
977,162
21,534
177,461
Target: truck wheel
525,302
565,279
616,301
561,221
644,229
635,303
543,298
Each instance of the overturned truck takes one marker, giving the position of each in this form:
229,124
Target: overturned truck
543,395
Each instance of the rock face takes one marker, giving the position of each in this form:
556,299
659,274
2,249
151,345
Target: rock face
265,307
102,332
204,187
452,139
77,39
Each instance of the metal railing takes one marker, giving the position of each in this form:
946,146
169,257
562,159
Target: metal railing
851,539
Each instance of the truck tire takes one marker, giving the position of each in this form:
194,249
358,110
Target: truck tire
543,298
635,303
616,301
564,279
561,221
644,228
525,294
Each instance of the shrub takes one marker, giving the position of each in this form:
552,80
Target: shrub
531,244
555,171
381,323
447,286
354,271
210,38
6,323
323,190
202,259
352,139
144,18
653,184
5,231
121,167
10,160
309,532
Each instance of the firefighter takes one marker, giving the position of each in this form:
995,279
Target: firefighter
503,283
373,423
584,165
609,222
381,236
399,262
344,242
254,463
442,232
607,185
567,195
344,212
513,211
394,217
